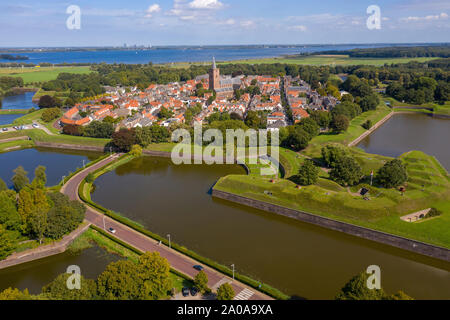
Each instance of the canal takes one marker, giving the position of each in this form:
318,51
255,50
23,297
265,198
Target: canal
298,258
411,131
58,162
36,274
19,101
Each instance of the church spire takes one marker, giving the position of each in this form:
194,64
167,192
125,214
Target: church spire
214,63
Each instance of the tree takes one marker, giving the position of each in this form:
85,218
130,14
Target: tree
72,130
346,171
154,272
64,216
40,178
3,185
136,150
340,123
9,216
201,282
50,114
20,178
307,174
124,139
392,174
15,294
225,292
310,126
322,118
298,139
47,101
7,245
331,153
57,289
369,102
119,281
97,129
356,289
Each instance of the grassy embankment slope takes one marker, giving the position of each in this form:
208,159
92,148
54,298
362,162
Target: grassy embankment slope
427,108
33,74
428,186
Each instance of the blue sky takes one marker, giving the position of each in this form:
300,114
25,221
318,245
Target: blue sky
210,22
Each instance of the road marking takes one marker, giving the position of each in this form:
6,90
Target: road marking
244,295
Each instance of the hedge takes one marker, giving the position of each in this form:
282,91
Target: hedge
264,288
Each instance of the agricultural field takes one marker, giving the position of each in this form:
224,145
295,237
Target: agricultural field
32,75
329,60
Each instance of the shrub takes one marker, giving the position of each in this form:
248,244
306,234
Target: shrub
367,125
225,292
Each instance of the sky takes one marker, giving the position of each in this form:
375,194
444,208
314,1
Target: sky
43,23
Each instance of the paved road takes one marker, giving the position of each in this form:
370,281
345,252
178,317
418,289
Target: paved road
177,260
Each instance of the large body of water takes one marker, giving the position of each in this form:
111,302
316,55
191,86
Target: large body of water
169,55
298,258
411,131
19,101
58,162
36,274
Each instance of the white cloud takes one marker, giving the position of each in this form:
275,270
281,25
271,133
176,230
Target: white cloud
205,4
441,16
154,8
301,28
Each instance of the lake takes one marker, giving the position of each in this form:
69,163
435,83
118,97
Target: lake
19,101
411,131
8,118
36,274
178,54
58,162
298,258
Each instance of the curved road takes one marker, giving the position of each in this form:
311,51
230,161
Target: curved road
177,260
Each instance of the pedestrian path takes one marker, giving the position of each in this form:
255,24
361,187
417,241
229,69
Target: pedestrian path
244,295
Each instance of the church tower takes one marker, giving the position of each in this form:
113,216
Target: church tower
214,76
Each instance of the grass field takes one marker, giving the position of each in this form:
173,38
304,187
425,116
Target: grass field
330,60
30,75
428,186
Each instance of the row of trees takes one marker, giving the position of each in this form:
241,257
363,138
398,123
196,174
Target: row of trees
124,139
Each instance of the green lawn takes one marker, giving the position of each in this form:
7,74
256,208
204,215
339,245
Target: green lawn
428,186
30,75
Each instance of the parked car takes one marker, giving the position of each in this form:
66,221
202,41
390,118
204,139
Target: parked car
35,125
194,291
112,230
5,129
198,267
185,291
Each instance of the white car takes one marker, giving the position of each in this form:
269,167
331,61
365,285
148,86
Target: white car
35,125
112,230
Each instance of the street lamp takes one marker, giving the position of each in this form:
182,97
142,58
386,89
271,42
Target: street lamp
232,266
62,180
83,163
170,246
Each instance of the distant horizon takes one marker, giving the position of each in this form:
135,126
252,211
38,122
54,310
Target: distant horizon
132,46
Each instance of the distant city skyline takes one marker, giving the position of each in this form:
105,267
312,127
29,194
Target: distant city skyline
26,23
